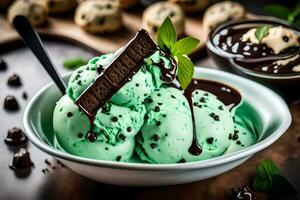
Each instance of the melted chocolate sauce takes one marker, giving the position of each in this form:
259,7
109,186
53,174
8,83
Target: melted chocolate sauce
168,74
248,55
229,96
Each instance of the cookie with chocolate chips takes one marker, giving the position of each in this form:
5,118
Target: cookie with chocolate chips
36,11
99,16
220,13
155,14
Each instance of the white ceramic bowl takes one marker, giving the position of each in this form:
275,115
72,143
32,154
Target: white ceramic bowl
269,111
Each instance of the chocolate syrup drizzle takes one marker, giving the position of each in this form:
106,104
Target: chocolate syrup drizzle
228,95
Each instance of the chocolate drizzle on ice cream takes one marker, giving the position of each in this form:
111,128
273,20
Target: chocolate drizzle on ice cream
228,95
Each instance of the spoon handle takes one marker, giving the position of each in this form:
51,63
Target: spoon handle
33,41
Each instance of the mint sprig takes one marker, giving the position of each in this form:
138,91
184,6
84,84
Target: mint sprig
262,32
167,41
73,63
268,179
282,12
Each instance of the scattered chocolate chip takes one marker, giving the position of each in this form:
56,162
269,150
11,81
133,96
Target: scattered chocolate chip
230,136
285,39
21,160
137,85
205,94
172,96
15,137
118,158
242,193
238,142
146,117
106,109
106,148
156,109
91,136
172,14
159,103
164,115
158,94
235,135
83,16
149,100
158,123
114,119
210,140
182,160
108,6
214,116
80,135
202,100
47,162
122,137
79,82
195,103
155,137
24,95
11,104
220,108
14,81
152,145
129,129
3,65
69,114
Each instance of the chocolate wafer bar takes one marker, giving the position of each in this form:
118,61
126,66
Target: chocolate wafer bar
120,71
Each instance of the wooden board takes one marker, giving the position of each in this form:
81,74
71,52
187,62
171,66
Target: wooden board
65,27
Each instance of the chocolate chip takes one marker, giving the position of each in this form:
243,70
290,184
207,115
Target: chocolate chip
155,137
235,136
79,82
164,115
172,14
149,100
122,137
137,85
158,94
79,135
238,142
91,136
158,123
14,81
108,6
47,162
21,160
106,148
15,137
195,103
146,117
118,158
83,16
160,103
153,145
10,103
214,116
129,129
182,160
202,100
172,96
210,140
3,65
120,116
220,108
230,136
69,114
285,39
24,95
156,109
114,119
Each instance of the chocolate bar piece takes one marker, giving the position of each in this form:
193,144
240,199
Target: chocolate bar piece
120,71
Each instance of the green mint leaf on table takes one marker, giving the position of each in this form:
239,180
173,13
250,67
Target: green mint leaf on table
185,70
184,46
74,63
277,10
166,35
268,179
262,32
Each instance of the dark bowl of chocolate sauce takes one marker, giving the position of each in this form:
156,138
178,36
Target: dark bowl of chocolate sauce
255,61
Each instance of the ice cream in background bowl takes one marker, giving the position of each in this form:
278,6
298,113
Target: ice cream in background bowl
138,113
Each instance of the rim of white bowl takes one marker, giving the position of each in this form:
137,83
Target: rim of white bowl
248,151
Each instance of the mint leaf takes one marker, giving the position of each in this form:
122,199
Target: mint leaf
268,179
148,61
184,46
261,184
185,70
166,35
74,63
277,10
281,186
295,12
262,32
267,168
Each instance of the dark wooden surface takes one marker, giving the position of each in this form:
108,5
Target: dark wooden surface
62,183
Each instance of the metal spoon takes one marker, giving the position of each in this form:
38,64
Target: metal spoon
33,41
